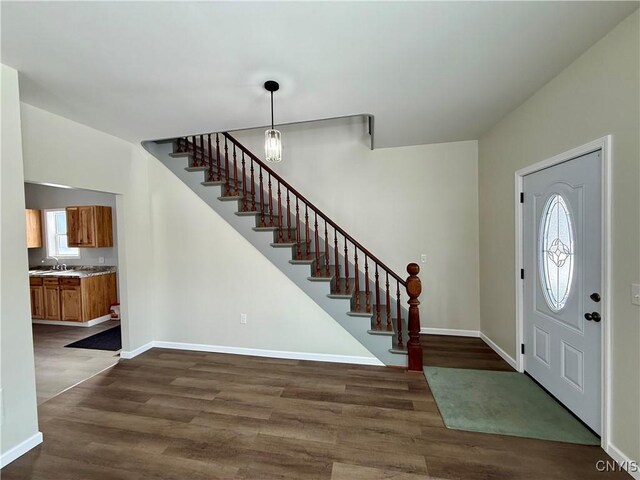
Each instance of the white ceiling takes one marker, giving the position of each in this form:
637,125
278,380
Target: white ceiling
429,72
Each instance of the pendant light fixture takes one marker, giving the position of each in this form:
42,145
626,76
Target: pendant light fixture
272,138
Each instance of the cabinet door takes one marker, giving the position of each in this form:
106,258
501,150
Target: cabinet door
52,303
73,227
70,299
87,226
34,228
37,302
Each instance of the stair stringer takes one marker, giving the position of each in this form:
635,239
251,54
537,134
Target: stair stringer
337,308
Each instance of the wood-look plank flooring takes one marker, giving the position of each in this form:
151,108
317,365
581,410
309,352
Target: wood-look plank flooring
460,352
170,414
57,367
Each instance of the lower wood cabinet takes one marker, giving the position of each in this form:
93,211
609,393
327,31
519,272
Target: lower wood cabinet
36,291
72,299
51,299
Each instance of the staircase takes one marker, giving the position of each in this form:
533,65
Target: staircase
350,283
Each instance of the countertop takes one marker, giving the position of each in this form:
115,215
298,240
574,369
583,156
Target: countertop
73,272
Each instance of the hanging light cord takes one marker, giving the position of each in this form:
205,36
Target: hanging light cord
272,111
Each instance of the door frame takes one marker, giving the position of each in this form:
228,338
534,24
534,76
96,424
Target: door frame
603,144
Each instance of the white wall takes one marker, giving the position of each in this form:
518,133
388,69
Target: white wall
398,203
206,274
596,95
43,197
19,418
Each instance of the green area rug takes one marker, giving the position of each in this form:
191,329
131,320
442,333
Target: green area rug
507,403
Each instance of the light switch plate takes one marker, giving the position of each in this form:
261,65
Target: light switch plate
635,294
243,318
423,258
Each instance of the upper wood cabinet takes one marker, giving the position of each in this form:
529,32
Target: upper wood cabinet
34,228
89,227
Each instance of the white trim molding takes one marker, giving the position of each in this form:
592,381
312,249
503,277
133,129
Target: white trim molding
632,467
256,352
454,332
494,346
20,449
603,144
90,323
137,351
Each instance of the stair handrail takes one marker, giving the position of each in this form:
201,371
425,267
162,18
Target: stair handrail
316,209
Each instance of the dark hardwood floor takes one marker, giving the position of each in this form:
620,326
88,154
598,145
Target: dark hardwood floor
460,352
189,415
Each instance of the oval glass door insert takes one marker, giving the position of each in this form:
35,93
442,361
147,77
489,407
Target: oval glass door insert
556,244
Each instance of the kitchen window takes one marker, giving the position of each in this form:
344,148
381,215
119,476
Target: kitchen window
55,222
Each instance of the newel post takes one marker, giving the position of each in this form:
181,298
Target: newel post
414,348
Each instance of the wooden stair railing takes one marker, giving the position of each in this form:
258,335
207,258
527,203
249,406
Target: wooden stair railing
259,187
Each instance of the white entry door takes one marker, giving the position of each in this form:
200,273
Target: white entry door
562,283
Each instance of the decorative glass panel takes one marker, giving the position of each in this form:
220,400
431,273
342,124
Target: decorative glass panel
556,254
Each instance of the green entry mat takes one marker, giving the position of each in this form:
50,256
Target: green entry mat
506,403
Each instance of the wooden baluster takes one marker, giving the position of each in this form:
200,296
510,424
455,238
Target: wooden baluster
280,213
336,258
367,293
306,229
218,157
253,189
316,244
326,249
235,171
346,267
288,217
262,223
357,281
388,298
226,169
298,247
270,198
398,314
377,287
414,348
244,184
202,159
210,155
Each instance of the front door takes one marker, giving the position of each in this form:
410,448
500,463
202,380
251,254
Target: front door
563,283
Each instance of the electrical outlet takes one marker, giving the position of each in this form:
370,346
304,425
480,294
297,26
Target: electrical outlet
243,318
100,259
423,258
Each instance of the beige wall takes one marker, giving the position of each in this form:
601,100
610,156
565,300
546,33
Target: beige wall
397,202
19,417
595,96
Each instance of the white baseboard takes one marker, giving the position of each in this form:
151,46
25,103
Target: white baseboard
625,463
137,351
90,323
318,357
20,449
449,331
505,356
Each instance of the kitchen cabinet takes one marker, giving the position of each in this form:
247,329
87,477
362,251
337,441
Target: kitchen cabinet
34,228
89,226
36,293
51,299
72,299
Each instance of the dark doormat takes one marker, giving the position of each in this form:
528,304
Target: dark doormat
107,340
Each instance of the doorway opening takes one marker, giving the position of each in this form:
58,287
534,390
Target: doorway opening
74,286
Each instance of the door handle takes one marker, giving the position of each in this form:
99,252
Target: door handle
595,316
595,297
